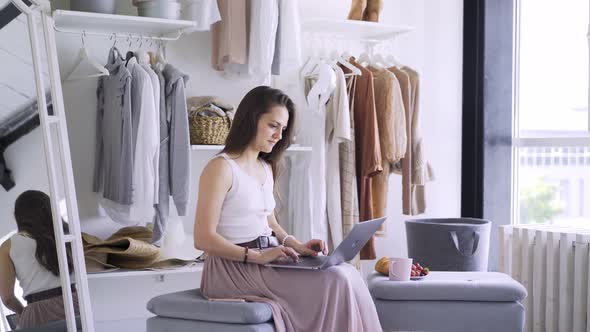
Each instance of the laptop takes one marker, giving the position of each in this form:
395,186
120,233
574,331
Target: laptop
350,247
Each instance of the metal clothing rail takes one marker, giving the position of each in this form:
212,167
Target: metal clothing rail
122,35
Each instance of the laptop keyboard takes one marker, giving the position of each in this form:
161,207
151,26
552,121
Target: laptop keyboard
304,261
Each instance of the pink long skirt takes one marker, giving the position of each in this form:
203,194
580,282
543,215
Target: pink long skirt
45,311
335,299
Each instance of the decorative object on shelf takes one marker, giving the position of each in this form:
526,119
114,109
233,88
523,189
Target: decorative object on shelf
169,9
209,120
365,10
94,6
203,12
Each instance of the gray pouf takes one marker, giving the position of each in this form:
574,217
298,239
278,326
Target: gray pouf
190,311
453,244
450,302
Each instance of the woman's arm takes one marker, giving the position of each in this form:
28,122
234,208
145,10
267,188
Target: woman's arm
281,233
214,183
311,248
7,280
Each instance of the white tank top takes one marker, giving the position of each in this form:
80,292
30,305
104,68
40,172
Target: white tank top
31,275
246,206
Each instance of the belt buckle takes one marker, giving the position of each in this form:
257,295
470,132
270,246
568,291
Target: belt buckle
263,242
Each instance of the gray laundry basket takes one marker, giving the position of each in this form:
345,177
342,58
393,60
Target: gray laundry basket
454,244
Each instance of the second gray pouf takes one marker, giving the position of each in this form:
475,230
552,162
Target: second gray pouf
453,244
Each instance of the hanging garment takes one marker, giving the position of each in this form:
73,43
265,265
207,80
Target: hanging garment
113,162
348,183
406,162
229,36
282,197
156,93
368,148
174,150
203,12
180,161
163,207
301,198
391,122
144,122
337,132
146,143
262,23
420,170
318,94
287,54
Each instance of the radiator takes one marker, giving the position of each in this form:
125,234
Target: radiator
552,263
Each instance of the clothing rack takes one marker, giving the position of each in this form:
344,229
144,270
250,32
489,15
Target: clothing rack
124,26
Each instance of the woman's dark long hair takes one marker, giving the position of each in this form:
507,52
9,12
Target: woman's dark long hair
32,211
245,124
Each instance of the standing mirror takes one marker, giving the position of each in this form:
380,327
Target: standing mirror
41,283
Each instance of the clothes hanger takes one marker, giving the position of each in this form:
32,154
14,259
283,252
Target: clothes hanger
309,64
391,61
129,53
160,56
364,59
343,61
378,61
313,61
142,56
86,66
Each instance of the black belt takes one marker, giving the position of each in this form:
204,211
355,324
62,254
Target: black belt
261,242
46,294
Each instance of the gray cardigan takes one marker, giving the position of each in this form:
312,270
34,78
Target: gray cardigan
113,163
174,169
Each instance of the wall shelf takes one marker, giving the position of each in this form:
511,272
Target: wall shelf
195,268
354,30
121,25
292,148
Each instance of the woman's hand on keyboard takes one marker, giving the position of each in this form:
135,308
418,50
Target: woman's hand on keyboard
312,248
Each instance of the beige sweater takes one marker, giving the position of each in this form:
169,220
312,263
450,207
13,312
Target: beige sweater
415,169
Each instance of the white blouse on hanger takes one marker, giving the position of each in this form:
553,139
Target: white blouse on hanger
317,97
337,131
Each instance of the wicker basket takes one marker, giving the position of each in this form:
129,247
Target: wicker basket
208,130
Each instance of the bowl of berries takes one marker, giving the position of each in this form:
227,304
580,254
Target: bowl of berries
418,272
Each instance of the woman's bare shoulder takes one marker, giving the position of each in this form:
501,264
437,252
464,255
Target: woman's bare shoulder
217,169
5,246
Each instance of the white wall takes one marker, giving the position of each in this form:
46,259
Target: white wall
434,48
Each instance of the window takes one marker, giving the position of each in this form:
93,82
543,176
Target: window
551,135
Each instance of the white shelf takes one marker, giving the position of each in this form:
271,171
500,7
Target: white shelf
292,148
198,268
354,30
122,25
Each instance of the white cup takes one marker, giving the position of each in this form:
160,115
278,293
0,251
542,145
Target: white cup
400,269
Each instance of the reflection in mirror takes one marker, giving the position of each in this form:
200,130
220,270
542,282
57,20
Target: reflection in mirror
30,286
